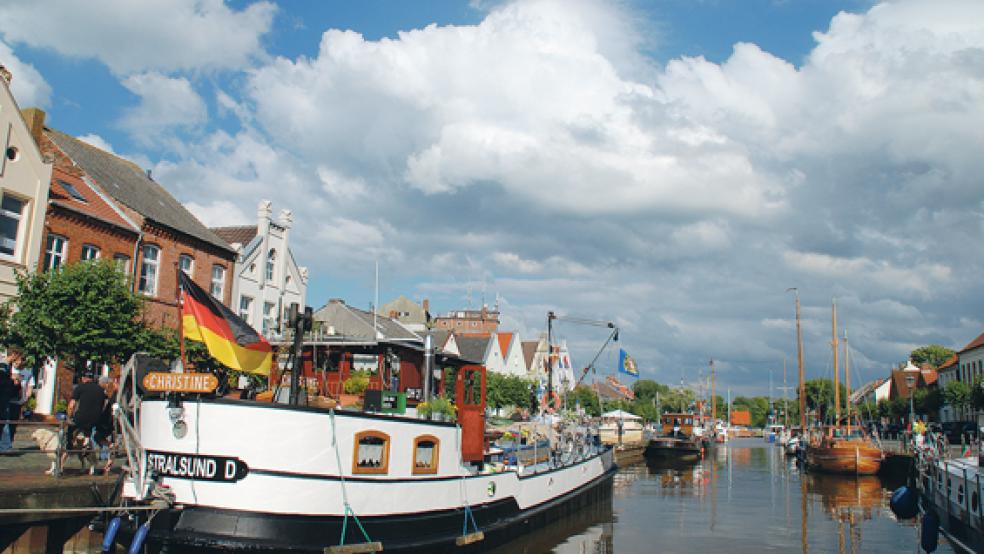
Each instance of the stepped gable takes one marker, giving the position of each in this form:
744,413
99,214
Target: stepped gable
128,184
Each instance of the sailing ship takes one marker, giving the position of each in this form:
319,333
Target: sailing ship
213,473
839,449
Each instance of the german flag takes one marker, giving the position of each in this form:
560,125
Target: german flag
229,339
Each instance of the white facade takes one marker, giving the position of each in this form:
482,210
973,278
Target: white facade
563,370
494,360
514,364
24,182
267,279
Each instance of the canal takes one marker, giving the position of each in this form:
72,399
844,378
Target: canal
745,497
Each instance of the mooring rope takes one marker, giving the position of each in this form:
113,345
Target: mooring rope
341,476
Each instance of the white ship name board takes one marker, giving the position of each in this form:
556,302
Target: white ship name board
162,381
196,466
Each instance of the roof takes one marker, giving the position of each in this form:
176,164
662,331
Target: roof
979,341
238,234
126,183
440,337
607,392
355,323
505,339
71,192
620,414
858,394
529,352
950,362
472,347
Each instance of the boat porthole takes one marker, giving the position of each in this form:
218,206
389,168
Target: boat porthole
491,488
974,501
13,153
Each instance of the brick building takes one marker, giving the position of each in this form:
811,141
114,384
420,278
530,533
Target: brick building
169,235
469,321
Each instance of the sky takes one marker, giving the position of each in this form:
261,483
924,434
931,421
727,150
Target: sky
673,166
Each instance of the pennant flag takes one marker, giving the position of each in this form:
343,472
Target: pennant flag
229,339
626,364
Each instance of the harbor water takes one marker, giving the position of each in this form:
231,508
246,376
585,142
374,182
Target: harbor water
743,497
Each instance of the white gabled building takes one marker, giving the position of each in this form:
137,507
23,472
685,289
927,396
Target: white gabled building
266,279
512,354
25,179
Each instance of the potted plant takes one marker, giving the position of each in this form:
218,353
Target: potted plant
353,388
441,409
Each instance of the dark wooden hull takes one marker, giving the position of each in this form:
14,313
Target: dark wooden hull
672,448
847,457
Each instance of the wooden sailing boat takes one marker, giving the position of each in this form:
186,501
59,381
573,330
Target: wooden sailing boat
839,451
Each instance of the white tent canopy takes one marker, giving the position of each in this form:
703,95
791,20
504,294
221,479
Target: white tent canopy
619,414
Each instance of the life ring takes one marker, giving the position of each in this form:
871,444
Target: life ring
556,401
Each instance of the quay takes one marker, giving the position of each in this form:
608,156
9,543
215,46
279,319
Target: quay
40,513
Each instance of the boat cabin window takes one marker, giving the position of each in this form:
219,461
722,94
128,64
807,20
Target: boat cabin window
371,452
425,450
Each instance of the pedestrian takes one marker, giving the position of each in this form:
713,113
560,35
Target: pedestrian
104,427
16,402
84,409
6,394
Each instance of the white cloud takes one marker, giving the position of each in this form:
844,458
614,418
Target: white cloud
217,214
918,279
28,86
163,35
165,103
97,141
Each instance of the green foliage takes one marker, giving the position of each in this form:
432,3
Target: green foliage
357,383
587,399
977,394
933,354
83,312
677,400
646,389
507,390
757,406
957,394
820,397
61,406
929,401
437,405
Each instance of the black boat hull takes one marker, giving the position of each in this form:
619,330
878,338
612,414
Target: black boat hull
203,529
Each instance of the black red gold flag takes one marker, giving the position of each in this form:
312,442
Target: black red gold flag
229,339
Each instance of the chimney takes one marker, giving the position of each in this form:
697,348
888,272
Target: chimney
425,305
5,74
34,118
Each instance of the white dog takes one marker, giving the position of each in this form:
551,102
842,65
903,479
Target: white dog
48,443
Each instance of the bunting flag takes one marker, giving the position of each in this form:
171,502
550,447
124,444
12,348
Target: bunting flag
229,339
626,364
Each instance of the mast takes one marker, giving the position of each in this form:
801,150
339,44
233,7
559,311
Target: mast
550,318
833,326
772,406
799,361
847,381
714,411
785,389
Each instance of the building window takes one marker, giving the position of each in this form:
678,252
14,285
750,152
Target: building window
187,264
54,252
122,262
90,252
425,451
11,214
218,281
269,314
371,453
245,303
271,258
148,270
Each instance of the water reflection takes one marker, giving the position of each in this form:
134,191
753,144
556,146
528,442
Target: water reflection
745,497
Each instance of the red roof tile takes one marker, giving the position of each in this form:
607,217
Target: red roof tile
93,205
950,362
979,341
504,340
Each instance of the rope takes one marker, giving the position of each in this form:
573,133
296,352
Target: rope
469,516
341,476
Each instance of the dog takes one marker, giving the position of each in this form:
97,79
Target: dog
48,443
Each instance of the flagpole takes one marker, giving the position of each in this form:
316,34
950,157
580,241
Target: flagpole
177,293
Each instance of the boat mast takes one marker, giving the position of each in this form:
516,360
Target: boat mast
847,381
550,318
833,326
785,389
714,411
799,361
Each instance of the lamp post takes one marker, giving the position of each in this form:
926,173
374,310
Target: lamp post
910,380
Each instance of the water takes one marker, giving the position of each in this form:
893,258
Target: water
745,497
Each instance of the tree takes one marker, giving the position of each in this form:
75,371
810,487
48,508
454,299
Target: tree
646,389
83,313
929,401
586,398
957,394
507,390
933,354
820,397
977,394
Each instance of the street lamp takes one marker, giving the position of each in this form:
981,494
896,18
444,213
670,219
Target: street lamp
910,380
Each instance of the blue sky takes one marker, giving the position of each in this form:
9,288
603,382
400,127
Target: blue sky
671,165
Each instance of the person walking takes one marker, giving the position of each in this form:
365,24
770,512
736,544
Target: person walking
84,409
7,393
105,426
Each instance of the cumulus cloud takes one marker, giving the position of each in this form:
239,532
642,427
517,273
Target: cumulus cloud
540,154
97,141
163,35
27,84
165,103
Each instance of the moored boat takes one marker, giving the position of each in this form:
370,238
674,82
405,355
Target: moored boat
854,456
221,474
683,449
